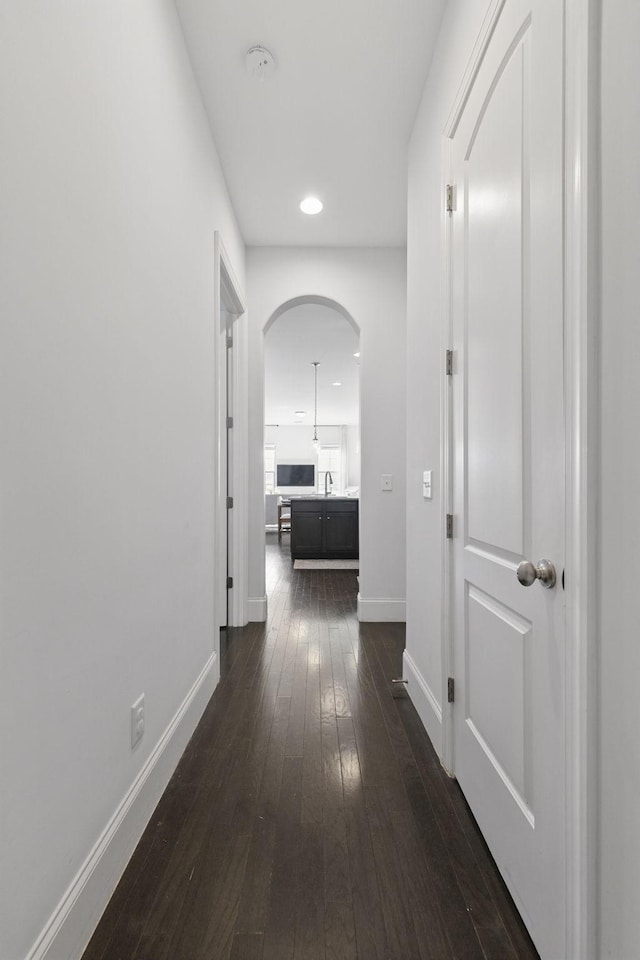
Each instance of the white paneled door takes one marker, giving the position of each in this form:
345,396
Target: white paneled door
508,457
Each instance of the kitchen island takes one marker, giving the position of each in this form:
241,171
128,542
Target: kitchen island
324,528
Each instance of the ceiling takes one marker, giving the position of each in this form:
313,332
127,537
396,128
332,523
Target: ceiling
298,337
333,120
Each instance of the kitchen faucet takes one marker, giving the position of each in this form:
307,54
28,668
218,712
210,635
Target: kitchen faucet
327,478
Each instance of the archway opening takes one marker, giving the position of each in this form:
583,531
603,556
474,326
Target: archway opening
312,406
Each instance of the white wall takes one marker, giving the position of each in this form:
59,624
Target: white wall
110,191
371,285
293,444
425,352
354,472
619,667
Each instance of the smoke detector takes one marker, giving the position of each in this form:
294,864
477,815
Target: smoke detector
259,62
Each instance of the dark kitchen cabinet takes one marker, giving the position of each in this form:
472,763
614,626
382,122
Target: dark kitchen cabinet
324,529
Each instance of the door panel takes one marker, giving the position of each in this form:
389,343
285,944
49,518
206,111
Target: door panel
494,185
306,529
507,408
496,712
341,532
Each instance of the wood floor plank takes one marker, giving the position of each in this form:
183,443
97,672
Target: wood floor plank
312,765
371,936
254,896
247,946
309,900
279,937
337,881
349,762
295,731
425,908
205,926
396,908
256,890
309,818
192,872
340,932
340,688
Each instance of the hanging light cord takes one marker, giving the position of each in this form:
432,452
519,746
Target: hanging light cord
315,400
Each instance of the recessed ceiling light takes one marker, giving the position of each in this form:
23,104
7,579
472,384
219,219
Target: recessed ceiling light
311,205
301,413
336,383
357,354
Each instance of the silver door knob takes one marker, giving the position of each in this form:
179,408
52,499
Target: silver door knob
544,571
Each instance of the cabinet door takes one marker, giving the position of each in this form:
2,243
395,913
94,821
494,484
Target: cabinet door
306,530
341,530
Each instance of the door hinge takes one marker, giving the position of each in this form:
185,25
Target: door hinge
229,503
229,583
449,526
229,423
451,690
229,342
448,363
450,198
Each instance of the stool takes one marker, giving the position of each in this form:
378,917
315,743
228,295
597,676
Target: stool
284,517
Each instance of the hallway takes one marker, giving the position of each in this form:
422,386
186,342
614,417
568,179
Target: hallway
309,817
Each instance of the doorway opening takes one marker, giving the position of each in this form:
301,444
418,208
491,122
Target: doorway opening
312,414
231,432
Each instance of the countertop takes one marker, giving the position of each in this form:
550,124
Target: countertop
321,496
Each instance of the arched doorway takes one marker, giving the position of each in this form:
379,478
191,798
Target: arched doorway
311,402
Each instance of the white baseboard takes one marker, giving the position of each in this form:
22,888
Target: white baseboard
423,699
256,609
72,923
381,610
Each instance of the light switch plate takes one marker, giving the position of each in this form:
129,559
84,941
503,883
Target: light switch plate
387,482
426,484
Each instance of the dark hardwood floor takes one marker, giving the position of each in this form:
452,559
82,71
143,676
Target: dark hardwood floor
309,818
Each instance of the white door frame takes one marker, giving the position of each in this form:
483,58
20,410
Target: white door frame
581,284
582,40
229,293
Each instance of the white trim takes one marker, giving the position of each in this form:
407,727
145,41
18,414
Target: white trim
581,431
381,610
256,609
446,459
228,291
475,61
424,700
72,923
229,285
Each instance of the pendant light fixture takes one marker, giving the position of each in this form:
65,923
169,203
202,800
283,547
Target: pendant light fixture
315,364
